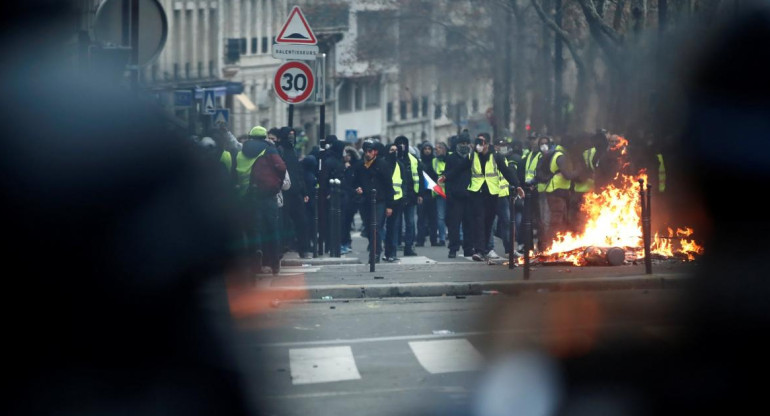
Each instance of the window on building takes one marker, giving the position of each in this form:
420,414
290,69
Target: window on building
346,97
358,91
200,69
389,112
475,104
176,71
254,45
377,34
402,109
187,70
211,68
372,93
415,107
425,106
437,111
264,45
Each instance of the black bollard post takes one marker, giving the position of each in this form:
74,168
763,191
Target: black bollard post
334,221
512,249
373,230
648,244
526,224
645,228
315,223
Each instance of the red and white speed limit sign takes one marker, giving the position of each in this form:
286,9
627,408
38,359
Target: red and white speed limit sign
293,82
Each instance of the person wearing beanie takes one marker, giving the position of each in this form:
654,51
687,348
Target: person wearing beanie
374,174
261,173
427,225
413,188
457,178
294,199
332,167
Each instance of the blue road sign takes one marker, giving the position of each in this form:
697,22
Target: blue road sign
351,136
209,102
221,116
183,98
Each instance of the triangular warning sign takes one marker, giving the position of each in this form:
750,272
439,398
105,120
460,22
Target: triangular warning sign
296,29
220,118
208,103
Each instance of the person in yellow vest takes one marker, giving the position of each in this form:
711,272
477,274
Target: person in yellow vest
439,165
392,223
413,186
261,173
556,173
486,170
539,208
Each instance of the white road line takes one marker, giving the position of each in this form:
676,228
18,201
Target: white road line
377,392
322,365
447,356
379,339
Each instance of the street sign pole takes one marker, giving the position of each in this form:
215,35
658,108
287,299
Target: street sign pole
291,115
134,44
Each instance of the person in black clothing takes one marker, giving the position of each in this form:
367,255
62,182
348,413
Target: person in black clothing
392,223
309,165
350,200
374,174
295,198
457,177
427,224
332,167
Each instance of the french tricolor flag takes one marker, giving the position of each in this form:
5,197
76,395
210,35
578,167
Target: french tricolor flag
433,185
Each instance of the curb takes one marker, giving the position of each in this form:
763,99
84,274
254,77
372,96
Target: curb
320,261
667,281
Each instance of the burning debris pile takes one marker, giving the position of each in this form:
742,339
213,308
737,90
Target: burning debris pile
613,232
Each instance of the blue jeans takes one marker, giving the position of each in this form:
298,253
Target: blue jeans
441,217
410,211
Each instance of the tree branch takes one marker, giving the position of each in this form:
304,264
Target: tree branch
563,35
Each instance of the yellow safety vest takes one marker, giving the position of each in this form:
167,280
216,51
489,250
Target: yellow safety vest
661,174
588,184
398,191
490,175
439,166
226,159
503,183
530,169
243,167
415,176
558,181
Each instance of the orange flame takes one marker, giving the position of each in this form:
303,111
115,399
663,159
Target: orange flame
613,219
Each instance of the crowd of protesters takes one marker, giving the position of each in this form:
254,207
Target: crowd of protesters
455,194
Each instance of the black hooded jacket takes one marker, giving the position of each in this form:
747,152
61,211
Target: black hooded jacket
332,166
289,156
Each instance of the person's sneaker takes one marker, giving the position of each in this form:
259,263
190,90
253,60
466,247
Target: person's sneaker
391,259
477,257
452,254
492,255
345,250
410,253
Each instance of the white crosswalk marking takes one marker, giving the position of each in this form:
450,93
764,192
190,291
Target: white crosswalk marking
322,365
447,356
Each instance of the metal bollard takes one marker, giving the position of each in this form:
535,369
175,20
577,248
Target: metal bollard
512,250
334,220
526,224
373,230
315,223
645,227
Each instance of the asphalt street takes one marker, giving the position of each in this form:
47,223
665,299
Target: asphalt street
407,356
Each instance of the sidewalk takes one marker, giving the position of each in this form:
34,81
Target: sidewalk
431,273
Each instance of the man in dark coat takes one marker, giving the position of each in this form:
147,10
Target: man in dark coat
457,177
374,174
295,198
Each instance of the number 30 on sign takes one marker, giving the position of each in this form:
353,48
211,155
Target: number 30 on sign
294,82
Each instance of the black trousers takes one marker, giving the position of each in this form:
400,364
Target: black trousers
296,222
460,212
485,208
427,220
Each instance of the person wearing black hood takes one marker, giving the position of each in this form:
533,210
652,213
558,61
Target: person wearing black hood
374,174
413,187
332,167
457,177
427,225
295,198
